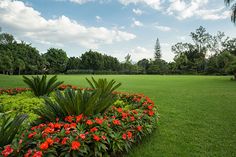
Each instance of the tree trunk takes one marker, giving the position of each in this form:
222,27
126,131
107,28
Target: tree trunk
234,76
19,71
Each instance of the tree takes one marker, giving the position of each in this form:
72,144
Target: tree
19,65
144,63
233,9
57,59
230,46
6,38
157,49
201,39
73,63
111,63
232,67
92,60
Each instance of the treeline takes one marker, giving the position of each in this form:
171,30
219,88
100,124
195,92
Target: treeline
190,58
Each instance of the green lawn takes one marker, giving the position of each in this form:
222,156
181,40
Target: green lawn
198,113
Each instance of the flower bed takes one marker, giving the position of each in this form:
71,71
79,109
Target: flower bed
130,118
13,91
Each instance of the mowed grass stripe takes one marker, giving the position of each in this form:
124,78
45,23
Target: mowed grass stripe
198,113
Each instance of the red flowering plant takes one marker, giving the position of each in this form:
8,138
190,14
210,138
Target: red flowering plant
13,91
113,131
64,86
77,123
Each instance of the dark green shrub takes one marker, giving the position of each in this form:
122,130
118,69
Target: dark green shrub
9,126
72,102
40,86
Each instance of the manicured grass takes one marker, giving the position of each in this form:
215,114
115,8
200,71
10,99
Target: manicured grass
198,113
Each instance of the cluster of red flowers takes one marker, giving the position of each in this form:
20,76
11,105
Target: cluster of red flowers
13,91
74,132
64,86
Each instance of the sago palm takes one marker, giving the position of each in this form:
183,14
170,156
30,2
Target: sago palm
9,126
41,86
72,102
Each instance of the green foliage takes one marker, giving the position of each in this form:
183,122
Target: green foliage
24,103
157,49
112,132
57,60
72,102
9,126
40,86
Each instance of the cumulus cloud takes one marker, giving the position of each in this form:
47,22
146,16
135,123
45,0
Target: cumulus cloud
136,23
184,9
155,4
26,22
139,53
162,28
137,11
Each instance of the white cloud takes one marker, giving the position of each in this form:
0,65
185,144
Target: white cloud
98,18
81,1
136,23
184,9
155,4
137,11
139,53
25,22
213,14
163,28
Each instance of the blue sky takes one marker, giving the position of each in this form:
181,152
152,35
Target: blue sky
114,27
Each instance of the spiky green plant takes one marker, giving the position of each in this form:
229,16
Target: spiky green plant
40,86
73,102
9,126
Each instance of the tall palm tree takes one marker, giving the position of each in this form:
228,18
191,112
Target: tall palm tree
232,4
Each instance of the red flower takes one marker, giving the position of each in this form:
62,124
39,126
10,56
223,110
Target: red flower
48,130
28,154
66,126
57,119
64,140
44,146
104,138
132,118
124,115
67,132
116,122
75,145
82,136
89,122
7,151
99,121
96,138
57,140
57,125
124,136
69,119
93,129
38,154
51,125
73,125
32,134
150,113
129,134
78,118
119,110
139,128
49,141
150,107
